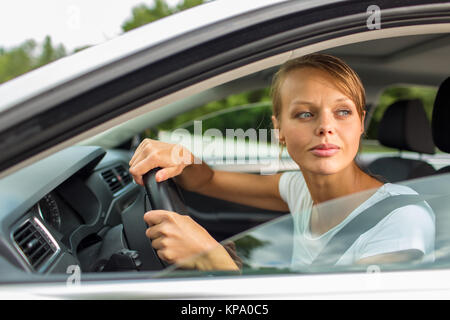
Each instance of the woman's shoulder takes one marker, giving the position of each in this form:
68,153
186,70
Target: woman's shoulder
293,189
408,211
397,189
292,177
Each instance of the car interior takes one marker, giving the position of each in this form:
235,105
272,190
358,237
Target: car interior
83,207
405,127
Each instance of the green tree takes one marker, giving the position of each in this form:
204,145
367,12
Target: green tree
25,57
256,116
186,4
16,61
143,14
49,53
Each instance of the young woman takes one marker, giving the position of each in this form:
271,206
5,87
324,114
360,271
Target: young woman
318,109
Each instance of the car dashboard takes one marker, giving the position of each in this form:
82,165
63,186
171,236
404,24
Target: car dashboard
66,210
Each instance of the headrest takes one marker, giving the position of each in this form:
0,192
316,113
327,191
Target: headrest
441,117
405,126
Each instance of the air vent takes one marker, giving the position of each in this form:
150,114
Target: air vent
116,178
35,244
112,180
124,174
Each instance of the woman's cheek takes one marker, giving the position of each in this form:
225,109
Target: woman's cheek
297,148
353,138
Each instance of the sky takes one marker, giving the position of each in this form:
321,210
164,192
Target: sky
74,23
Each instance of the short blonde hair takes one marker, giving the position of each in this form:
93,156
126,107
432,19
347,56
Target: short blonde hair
346,79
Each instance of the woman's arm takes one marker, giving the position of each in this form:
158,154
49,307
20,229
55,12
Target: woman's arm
178,239
178,163
244,188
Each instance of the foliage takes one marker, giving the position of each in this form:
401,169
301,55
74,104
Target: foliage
29,55
143,14
26,57
257,115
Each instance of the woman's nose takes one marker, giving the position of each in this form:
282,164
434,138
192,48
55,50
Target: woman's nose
324,126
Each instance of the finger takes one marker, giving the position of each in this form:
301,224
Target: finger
163,255
160,243
151,161
139,157
142,167
155,231
139,150
155,217
181,155
168,173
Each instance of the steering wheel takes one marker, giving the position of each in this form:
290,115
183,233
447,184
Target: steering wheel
164,195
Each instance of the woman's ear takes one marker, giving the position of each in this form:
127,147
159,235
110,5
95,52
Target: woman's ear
363,121
278,133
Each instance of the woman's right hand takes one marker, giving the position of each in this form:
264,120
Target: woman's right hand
172,158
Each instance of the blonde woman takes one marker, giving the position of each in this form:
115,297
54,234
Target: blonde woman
318,109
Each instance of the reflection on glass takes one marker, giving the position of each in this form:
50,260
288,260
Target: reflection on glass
271,247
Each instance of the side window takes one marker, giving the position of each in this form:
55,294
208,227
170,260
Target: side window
236,130
251,109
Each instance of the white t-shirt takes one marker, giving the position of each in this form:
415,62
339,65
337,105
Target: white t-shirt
408,227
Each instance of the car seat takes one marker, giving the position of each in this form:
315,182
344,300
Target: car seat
440,118
404,126
439,185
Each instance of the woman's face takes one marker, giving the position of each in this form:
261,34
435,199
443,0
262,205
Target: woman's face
320,126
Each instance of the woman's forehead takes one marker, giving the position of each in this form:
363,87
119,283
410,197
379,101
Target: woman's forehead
310,84
307,76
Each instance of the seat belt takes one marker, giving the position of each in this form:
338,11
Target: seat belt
344,238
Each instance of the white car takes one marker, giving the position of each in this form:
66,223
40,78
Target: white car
71,217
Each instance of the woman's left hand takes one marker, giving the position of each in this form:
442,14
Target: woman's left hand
178,237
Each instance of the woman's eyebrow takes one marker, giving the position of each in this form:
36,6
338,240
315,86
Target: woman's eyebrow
303,102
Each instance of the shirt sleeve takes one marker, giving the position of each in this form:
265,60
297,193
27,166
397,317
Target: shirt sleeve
289,182
408,227
294,191
283,185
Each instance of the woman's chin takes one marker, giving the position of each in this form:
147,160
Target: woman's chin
323,167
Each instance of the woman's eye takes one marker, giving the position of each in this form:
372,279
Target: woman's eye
344,112
304,115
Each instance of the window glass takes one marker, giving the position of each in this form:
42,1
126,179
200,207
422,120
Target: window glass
270,248
250,109
236,130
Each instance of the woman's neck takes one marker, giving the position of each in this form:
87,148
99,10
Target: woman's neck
350,180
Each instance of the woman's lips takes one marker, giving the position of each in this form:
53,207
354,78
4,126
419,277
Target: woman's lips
324,150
